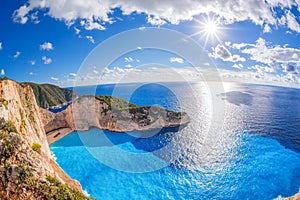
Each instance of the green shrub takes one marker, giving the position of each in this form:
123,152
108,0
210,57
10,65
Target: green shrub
4,102
9,144
30,116
54,189
36,147
8,126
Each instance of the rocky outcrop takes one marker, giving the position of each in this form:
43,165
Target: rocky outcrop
295,197
91,111
25,153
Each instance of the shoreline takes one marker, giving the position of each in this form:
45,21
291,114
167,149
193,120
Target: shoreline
56,135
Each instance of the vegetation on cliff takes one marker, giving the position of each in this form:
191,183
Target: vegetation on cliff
19,175
48,95
116,103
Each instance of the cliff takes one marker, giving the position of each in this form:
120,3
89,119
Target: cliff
48,95
295,197
111,113
27,168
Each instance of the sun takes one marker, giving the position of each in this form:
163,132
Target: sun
210,29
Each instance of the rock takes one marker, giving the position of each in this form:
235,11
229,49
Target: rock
91,111
24,115
295,197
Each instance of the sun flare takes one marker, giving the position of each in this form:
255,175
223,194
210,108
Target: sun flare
210,29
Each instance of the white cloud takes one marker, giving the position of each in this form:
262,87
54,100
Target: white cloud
46,46
21,15
46,60
77,31
90,38
268,54
290,68
94,14
72,75
267,29
139,48
237,66
1,46
90,25
224,54
128,59
129,66
262,69
17,54
292,22
176,59
54,78
2,72
34,17
31,73
156,21
32,62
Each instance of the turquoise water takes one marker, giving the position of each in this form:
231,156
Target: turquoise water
255,157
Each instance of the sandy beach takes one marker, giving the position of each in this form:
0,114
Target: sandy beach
57,134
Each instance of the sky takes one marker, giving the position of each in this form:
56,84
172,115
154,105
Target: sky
50,41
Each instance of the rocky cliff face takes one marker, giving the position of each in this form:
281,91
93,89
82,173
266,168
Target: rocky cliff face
23,146
89,111
295,197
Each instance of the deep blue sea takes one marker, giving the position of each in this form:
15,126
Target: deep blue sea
243,142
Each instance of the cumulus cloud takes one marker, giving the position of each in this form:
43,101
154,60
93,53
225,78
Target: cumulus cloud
260,69
32,62
224,54
290,68
94,14
292,22
72,75
90,38
156,21
90,25
31,73
17,54
176,60
1,46
271,55
2,72
129,66
238,66
46,46
46,60
128,59
267,29
77,31
54,78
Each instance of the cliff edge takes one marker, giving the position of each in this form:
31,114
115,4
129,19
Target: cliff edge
111,113
28,170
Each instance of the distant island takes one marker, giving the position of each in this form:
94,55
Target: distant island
27,168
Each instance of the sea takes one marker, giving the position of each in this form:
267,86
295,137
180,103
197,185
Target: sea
243,142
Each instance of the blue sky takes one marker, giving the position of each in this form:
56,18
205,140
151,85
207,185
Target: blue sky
47,41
